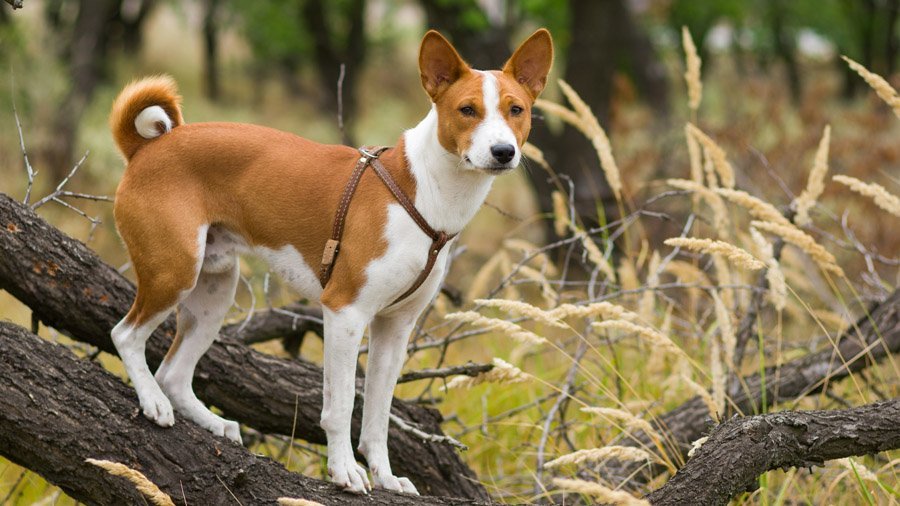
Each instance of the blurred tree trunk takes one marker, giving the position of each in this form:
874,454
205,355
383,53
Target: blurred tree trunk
85,57
604,38
874,24
785,48
85,44
331,51
483,44
211,49
892,37
131,20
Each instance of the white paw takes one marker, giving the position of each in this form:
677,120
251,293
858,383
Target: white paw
351,477
394,483
232,431
156,407
218,426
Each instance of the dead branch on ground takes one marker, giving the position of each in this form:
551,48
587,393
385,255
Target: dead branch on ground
741,449
56,411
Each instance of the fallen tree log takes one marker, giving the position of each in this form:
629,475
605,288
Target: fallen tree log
56,411
275,323
741,449
877,337
70,289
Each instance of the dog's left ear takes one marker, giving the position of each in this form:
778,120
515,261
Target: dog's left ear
531,62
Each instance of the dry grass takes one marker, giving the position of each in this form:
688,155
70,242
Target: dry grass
692,70
882,198
734,254
816,184
599,492
879,84
503,372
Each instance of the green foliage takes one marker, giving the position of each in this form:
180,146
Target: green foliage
846,23
551,14
701,16
274,29
277,30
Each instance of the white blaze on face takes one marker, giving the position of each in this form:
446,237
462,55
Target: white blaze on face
493,129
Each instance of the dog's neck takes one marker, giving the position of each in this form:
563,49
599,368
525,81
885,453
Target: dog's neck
447,194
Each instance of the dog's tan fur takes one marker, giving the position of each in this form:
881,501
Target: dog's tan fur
216,173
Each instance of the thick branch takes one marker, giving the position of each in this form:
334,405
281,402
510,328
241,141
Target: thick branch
741,449
70,289
56,411
291,320
791,380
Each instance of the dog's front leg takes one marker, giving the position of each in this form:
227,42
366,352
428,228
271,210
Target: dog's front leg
343,333
387,351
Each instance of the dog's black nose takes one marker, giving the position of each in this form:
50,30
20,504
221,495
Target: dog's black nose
503,153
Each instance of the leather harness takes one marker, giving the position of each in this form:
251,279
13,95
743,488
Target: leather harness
370,158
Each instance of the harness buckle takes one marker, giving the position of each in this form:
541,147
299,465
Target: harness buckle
368,156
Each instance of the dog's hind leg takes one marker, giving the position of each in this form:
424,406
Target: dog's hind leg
387,351
165,276
200,316
130,338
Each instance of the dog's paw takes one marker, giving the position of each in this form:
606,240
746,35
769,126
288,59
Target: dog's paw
156,407
351,477
394,483
219,426
232,431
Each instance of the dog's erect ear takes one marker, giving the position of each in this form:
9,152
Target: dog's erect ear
530,64
439,64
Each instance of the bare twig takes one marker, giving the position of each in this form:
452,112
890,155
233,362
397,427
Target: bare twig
29,171
434,438
59,188
469,369
340,103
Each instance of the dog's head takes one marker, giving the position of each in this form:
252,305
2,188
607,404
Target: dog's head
484,117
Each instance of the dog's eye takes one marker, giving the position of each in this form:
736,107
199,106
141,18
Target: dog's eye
515,110
467,110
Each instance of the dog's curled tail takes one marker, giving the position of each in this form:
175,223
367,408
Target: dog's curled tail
144,110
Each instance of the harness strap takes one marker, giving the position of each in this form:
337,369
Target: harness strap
332,246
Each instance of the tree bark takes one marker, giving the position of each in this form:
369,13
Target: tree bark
792,380
70,289
741,449
56,411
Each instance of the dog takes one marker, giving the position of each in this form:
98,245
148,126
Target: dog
195,196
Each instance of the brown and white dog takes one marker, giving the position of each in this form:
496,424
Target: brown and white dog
194,196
